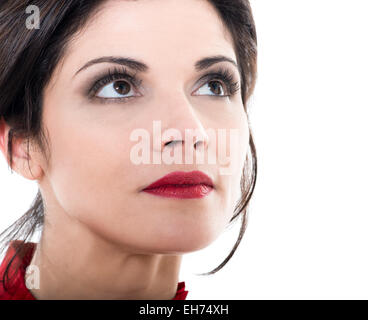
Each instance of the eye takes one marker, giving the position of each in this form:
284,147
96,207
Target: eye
117,85
220,83
117,89
212,86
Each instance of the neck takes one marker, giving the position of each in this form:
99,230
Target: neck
74,263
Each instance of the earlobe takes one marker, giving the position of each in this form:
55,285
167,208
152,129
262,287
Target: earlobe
22,163
4,129
27,168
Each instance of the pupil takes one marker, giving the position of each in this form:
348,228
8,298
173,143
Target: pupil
217,87
119,86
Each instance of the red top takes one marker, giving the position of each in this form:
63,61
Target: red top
18,286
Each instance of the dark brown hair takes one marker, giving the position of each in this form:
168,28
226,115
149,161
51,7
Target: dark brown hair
28,58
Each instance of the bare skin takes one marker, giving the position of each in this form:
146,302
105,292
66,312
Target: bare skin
103,238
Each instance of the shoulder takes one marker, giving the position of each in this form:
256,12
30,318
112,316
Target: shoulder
12,271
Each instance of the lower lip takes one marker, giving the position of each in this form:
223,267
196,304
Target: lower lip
176,191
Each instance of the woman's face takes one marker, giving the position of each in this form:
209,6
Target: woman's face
91,176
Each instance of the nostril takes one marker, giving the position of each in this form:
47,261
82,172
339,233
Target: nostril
196,144
172,141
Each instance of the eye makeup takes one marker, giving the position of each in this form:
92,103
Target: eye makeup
228,79
115,74
221,74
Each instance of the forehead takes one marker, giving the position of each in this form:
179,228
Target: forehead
155,31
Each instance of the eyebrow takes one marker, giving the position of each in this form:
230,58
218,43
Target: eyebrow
140,66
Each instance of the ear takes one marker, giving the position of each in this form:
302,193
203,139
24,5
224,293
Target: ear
24,163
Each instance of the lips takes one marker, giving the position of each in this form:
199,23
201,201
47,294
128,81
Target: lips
180,184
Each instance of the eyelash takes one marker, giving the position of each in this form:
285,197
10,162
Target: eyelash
222,74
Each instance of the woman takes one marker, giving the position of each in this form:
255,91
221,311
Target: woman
76,87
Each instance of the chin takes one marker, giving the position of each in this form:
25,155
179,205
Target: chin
181,245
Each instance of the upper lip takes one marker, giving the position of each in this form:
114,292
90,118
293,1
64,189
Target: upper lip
182,178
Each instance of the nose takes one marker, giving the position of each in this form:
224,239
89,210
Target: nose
181,126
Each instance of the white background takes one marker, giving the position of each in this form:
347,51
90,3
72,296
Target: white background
307,234
307,231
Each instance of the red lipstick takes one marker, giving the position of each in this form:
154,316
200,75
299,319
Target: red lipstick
182,185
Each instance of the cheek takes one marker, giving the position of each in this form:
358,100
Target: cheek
232,143
90,166
232,164
242,146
